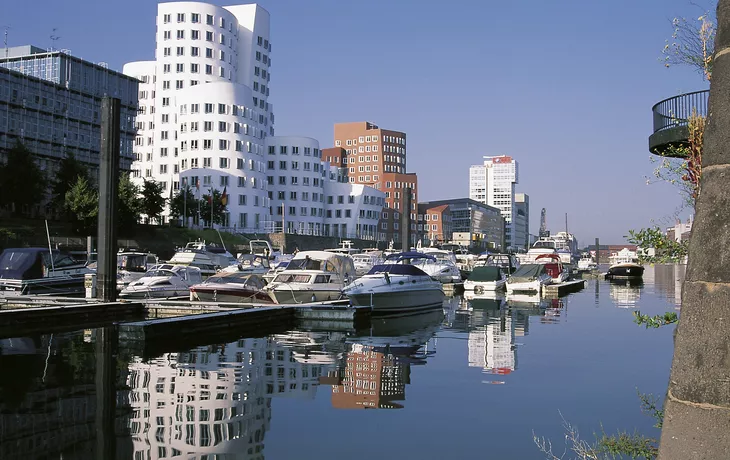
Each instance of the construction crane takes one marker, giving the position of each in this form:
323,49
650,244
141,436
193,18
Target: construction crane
543,224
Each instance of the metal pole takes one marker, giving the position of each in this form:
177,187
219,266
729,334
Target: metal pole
185,203
108,190
211,207
598,252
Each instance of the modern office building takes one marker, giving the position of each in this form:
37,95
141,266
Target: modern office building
374,156
473,224
50,101
205,103
311,197
522,221
493,183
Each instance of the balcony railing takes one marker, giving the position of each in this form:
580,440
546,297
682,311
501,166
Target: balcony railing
671,117
675,111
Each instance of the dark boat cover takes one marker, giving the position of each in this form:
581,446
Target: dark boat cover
22,263
528,272
486,273
397,269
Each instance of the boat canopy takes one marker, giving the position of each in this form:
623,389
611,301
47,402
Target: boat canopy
408,257
324,261
29,263
397,269
547,258
252,260
528,272
486,273
236,278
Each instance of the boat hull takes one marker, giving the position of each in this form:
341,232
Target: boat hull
152,293
285,295
525,286
625,271
482,286
229,295
399,301
72,285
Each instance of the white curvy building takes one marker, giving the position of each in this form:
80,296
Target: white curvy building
204,103
311,197
493,183
214,401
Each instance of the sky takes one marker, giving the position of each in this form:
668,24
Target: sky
563,86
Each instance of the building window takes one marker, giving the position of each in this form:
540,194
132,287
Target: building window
166,18
194,17
180,17
181,35
209,37
223,163
209,19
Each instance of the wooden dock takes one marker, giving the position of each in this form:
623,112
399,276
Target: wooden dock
559,290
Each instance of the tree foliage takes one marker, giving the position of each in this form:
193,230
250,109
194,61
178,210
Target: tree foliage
219,208
184,203
667,250
23,182
69,171
692,43
82,205
152,199
129,206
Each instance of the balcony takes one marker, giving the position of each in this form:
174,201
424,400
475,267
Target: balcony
670,121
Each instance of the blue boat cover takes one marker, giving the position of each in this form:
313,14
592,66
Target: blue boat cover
397,269
408,256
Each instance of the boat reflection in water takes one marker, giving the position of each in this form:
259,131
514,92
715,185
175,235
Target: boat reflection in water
625,292
377,368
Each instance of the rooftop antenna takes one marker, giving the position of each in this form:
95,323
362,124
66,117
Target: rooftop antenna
54,38
5,41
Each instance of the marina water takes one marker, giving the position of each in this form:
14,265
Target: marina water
477,380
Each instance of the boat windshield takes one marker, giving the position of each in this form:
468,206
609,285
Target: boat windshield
307,263
290,278
159,272
237,278
362,258
132,262
252,261
544,245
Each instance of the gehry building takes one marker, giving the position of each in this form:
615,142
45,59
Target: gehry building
204,101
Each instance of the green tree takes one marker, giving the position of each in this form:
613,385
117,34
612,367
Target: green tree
152,199
82,205
69,170
219,208
23,183
667,250
129,206
184,203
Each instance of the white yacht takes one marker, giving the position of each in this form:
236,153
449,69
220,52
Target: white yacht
440,266
346,247
625,264
486,278
544,245
132,265
209,258
278,268
365,261
586,263
528,278
236,287
312,276
396,286
164,280
249,264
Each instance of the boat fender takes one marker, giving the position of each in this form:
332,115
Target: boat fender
478,289
387,277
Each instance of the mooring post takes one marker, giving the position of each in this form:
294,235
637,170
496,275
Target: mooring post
598,252
106,281
696,422
405,219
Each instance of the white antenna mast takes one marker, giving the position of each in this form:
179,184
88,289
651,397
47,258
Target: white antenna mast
5,42
54,38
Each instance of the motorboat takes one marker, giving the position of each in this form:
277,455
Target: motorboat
507,262
586,263
132,265
544,245
528,278
237,287
465,263
208,257
554,267
440,266
396,286
41,271
249,264
625,264
312,276
486,278
263,248
271,274
365,261
346,247
164,280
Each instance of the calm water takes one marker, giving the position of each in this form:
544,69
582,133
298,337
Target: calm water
472,382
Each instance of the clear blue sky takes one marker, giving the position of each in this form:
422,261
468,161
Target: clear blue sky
564,86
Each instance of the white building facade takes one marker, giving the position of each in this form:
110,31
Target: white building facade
493,183
204,104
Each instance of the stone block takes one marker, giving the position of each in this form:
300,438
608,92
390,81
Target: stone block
694,433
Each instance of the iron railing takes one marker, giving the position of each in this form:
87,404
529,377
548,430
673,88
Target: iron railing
675,111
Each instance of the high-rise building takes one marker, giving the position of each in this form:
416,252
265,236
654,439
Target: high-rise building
522,221
50,101
493,183
204,102
377,157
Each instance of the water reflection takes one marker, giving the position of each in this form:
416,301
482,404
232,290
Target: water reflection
668,279
625,292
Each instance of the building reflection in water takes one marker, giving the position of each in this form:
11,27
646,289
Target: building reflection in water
668,279
377,367
625,293
215,399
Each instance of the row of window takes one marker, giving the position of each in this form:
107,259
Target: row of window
306,166
195,19
284,150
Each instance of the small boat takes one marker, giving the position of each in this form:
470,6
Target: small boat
132,265
238,287
625,264
586,263
508,262
40,271
440,266
346,247
164,280
249,264
209,258
486,278
554,267
312,276
365,261
271,274
397,286
528,278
